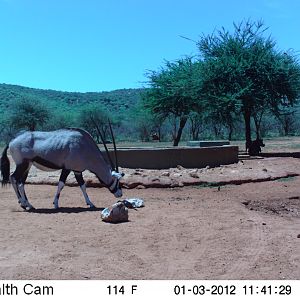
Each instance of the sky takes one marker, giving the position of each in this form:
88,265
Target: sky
103,45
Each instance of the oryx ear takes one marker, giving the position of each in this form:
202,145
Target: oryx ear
122,174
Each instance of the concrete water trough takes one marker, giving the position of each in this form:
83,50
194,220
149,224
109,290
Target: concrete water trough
171,157
207,143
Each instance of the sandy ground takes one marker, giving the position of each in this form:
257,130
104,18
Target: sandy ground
213,229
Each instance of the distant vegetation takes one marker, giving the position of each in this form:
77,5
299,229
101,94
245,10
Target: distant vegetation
132,122
64,109
238,77
239,87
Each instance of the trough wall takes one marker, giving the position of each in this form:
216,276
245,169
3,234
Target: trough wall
207,143
187,157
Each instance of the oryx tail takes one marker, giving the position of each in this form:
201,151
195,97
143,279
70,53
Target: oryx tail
5,167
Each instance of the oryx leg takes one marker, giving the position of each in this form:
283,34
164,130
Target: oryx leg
62,180
18,179
82,185
22,188
15,186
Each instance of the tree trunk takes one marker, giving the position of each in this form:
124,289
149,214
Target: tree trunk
173,121
98,139
257,121
195,131
196,134
159,133
247,118
230,132
257,128
180,129
286,127
32,127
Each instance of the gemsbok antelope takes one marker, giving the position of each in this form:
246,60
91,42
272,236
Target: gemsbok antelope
69,149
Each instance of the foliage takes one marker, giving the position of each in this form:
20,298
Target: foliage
119,101
244,73
144,123
7,131
92,118
288,120
62,120
28,114
174,91
65,107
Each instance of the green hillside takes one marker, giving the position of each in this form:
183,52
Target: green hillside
118,101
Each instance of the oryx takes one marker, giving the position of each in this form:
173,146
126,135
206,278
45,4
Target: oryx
71,149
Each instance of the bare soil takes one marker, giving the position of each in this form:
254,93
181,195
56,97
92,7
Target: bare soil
233,222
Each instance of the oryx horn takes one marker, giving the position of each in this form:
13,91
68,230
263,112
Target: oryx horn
115,147
104,144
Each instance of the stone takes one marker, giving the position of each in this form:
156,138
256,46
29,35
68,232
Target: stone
166,173
176,175
140,187
194,174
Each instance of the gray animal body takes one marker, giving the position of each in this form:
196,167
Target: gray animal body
66,149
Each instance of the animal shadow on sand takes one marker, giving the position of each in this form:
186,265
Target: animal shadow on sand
64,210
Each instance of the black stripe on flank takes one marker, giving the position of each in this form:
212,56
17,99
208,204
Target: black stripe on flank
46,163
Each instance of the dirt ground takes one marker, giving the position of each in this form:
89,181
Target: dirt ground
233,222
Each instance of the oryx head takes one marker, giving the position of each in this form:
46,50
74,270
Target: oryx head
114,186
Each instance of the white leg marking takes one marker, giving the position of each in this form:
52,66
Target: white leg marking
86,197
56,198
23,195
14,184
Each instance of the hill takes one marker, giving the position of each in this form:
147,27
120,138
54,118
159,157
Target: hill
118,101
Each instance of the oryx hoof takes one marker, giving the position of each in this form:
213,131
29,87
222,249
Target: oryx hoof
31,208
23,206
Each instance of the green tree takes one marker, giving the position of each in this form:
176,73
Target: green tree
197,125
287,119
91,117
28,113
61,119
7,131
245,69
174,92
146,123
